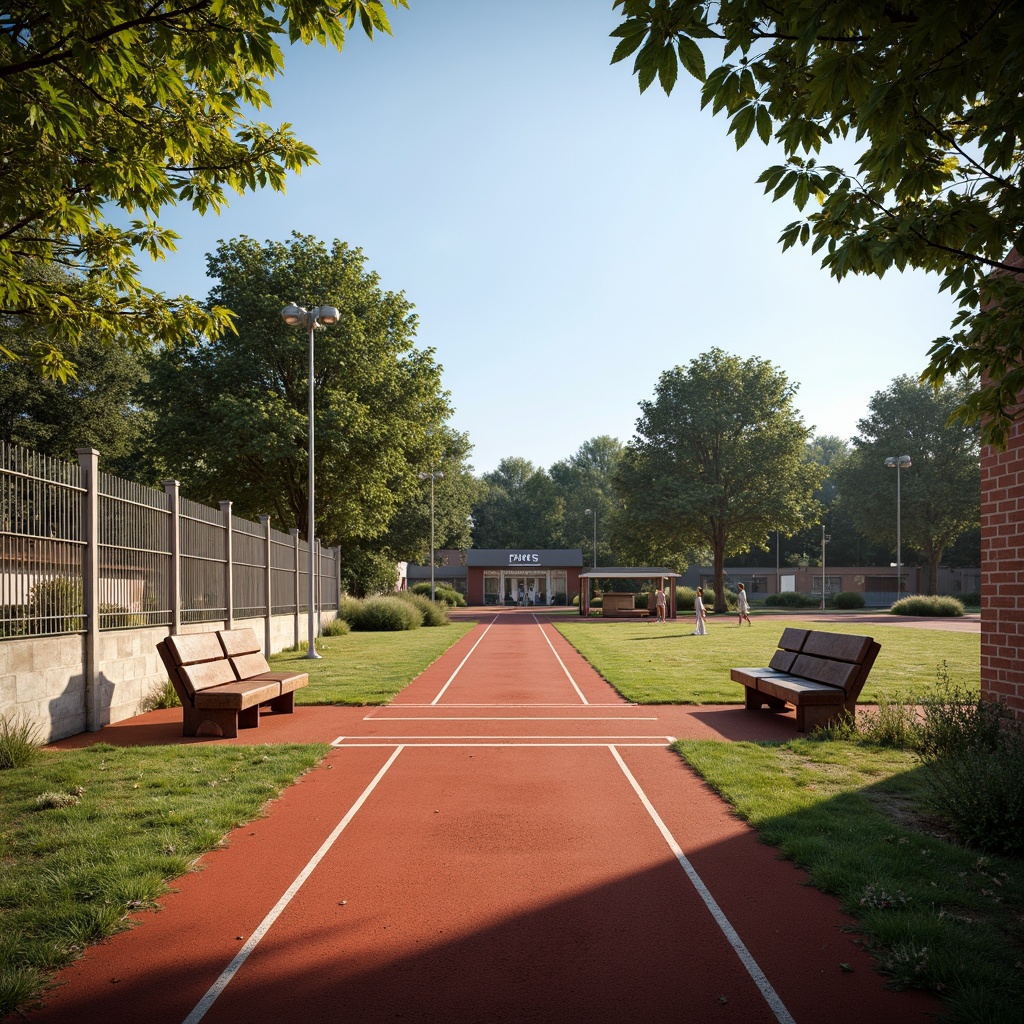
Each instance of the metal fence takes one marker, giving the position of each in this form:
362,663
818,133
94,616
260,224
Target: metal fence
82,550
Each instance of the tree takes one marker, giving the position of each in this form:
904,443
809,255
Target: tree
97,409
940,494
518,507
231,415
718,461
926,88
584,481
113,111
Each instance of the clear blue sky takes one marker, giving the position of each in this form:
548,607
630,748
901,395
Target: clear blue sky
564,239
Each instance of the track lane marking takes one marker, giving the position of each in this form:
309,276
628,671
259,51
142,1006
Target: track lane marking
568,674
451,678
214,991
771,997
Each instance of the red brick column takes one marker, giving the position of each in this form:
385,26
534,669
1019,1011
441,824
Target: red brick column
1002,572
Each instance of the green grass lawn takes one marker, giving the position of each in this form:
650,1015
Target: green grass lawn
87,836
935,914
368,668
664,664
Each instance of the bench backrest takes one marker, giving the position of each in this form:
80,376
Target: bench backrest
836,659
244,652
200,661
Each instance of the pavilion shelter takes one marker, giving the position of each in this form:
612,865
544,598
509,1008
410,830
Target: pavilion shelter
658,576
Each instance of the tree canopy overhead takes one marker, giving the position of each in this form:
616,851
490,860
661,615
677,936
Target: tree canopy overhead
109,112
929,91
718,461
231,416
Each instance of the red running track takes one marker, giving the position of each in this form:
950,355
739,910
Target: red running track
507,841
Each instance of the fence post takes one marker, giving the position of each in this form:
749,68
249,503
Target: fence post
229,566
88,461
295,539
337,577
173,491
268,584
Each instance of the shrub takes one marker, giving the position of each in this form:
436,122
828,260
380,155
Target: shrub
922,605
164,696
348,608
385,614
792,599
19,742
337,627
450,596
848,599
972,599
431,613
56,604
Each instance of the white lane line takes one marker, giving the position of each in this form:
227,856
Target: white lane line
232,968
515,718
404,706
771,997
464,660
375,741
411,742
568,674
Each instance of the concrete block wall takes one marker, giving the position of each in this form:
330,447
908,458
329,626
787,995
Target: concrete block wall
1002,572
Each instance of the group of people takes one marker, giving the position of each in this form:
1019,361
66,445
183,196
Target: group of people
742,607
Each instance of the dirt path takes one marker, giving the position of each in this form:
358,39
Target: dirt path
507,841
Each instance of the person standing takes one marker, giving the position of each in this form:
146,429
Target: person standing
743,606
698,607
659,602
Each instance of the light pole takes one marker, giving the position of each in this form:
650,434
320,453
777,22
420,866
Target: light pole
593,512
318,316
898,463
432,477
825,538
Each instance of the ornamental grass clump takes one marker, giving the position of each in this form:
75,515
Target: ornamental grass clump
431,613
928,605
19,742
385,614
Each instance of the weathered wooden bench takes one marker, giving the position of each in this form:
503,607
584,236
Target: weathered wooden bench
821,674
223,679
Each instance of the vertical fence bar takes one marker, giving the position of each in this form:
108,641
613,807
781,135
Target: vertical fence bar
268,575
229,565
173,490
88,461
298,596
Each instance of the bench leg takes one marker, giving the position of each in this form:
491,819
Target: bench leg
817,716
249,718
754,700
283,705
209,722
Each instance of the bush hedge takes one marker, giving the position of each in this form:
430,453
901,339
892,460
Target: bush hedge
928,605
431,613
847,599
383,614
791,599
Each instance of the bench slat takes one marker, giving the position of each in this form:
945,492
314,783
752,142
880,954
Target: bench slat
840,646
191,648
237,695
239,641
793,639
205,674
822,670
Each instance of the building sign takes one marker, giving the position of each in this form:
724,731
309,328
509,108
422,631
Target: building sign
523,558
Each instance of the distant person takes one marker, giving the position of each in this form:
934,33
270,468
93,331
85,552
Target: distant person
702,615
743,606
659,603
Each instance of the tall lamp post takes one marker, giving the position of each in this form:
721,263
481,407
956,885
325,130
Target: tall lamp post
432,477
898,463
825,538
593,512
318,316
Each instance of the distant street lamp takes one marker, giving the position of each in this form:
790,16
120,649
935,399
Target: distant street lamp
431,477
825,538
593,512
318,316
898,463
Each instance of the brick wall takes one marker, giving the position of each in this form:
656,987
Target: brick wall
1002,572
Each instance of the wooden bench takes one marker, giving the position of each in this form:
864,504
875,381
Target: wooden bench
223,679
821,674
